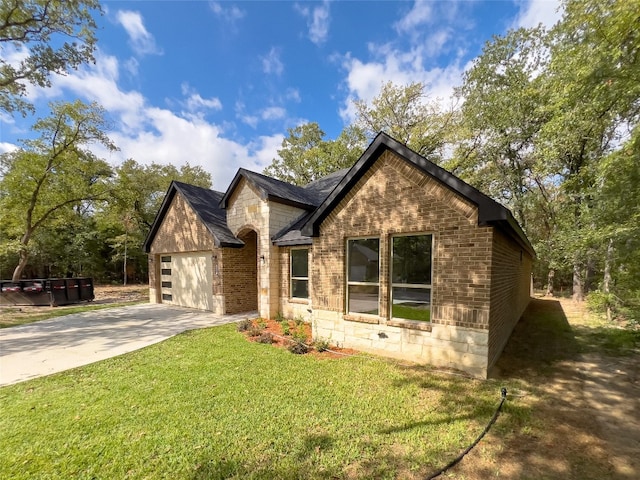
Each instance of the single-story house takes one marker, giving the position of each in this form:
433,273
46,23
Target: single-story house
394,256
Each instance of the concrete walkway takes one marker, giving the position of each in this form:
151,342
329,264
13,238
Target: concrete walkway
51,346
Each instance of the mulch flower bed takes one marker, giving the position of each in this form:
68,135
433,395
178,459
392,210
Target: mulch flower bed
266,330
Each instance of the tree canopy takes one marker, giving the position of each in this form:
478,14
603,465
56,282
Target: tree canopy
49,36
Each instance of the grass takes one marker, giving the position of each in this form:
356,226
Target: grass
11,316
210,405
410,313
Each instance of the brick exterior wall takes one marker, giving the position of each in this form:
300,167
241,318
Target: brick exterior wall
292,307
510,291
393,198
182,231
239,271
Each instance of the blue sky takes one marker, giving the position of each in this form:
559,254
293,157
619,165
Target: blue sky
217,84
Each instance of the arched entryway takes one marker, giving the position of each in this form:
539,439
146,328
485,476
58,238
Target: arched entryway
241,275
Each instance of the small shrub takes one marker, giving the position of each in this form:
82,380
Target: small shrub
286,329
256,330
298,348
321,345
261,323
300,335
279,317
265,337
299,320
244,325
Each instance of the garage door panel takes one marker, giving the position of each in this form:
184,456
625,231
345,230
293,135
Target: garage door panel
191,281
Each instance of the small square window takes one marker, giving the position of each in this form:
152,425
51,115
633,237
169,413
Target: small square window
166,258
167,296
165,271
166,284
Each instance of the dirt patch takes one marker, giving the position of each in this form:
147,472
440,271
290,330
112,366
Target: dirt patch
584,402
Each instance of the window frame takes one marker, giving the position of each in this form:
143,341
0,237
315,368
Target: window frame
417,286
349,283
292,277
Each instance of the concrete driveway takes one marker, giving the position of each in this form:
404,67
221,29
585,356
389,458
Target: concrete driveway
51,346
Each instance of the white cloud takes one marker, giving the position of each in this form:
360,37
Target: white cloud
148,133
420,14
7,147
231,14
534,12
271,62
142,42
318,20
273,113
364,79
196,104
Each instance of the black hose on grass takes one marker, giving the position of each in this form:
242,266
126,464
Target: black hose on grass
503,393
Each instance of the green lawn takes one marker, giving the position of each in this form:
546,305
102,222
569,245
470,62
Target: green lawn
410,313
210,405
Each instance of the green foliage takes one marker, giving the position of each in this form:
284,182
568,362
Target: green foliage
53,174
305,156
244,325
321,345
298,348
404,113
286,329
57,37
265,337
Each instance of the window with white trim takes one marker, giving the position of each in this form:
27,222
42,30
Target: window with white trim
363,275
299,273
411,274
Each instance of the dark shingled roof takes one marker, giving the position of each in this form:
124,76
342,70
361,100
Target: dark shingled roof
206,204
317,190
272,189
490,212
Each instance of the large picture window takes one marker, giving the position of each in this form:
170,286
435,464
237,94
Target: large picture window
300,273
411,277
363,275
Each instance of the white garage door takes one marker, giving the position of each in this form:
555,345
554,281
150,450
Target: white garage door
191,276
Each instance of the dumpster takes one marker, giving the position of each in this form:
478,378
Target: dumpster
46,291
58,291
86,289
10,293
73,289
35,292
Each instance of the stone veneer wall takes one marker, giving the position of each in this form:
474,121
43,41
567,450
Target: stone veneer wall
392,198
246,210
510,291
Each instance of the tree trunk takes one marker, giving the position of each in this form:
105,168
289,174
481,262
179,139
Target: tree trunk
578,285
550,274
125,259
606,281
24,258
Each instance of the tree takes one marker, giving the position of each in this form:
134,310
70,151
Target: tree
55,36
305,156
136,194
404,113
501,116
594,85
54,172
